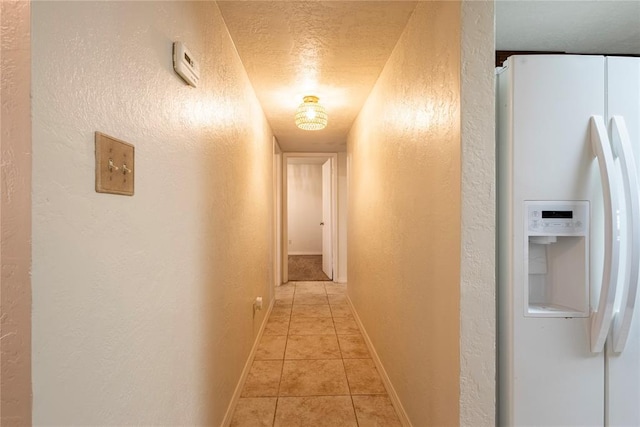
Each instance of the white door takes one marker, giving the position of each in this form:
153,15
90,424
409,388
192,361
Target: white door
623,367
327,225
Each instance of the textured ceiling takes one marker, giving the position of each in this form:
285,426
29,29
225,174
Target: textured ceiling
607,27
334,50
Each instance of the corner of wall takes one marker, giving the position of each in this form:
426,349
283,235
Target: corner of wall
477,281
15,205
343,190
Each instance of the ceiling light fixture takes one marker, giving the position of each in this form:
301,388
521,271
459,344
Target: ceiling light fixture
311,115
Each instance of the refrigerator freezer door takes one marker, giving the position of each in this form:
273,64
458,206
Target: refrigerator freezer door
548,375
623,368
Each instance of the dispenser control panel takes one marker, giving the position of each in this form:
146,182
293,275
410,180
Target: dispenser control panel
558,218
556,258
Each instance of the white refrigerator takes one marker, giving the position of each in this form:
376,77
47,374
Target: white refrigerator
568,142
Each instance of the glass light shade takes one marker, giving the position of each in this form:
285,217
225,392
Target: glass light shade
311,115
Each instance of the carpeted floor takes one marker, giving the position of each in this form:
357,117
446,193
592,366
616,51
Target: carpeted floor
306,268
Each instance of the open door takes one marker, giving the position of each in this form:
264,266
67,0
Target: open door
327,225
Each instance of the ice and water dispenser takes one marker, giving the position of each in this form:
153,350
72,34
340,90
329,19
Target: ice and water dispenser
556,259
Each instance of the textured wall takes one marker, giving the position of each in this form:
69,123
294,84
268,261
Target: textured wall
477,281
142,306
15,207
304,204
343,189
404,215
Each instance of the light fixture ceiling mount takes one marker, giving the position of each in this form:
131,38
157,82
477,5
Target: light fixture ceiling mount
310,114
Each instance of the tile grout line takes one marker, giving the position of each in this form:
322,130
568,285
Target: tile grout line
275,412
353,405
295,287
295,396
333,320
297,291
355,413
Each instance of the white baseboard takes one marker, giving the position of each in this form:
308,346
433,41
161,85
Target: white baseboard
393,396
228,416
303,253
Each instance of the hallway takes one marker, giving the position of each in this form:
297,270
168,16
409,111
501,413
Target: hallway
139,309
312,366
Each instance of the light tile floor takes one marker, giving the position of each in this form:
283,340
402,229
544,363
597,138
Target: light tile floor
312,366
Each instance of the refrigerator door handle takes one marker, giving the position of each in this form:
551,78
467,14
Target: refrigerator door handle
623,150
602,317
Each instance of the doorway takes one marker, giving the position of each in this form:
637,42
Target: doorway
309,217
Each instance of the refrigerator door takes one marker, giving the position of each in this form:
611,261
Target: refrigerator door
630,223
623,368
547,372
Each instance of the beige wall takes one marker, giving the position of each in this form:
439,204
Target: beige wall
477,281
404,215
142,306
15,213
343,188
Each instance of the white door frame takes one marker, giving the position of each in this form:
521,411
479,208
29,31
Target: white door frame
277,213
327,220
334,210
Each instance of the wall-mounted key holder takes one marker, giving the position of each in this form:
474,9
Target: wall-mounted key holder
114,165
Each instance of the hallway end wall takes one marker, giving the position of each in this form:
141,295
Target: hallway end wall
404,215
304,205
143,305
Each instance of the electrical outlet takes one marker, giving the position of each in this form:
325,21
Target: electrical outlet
114,165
